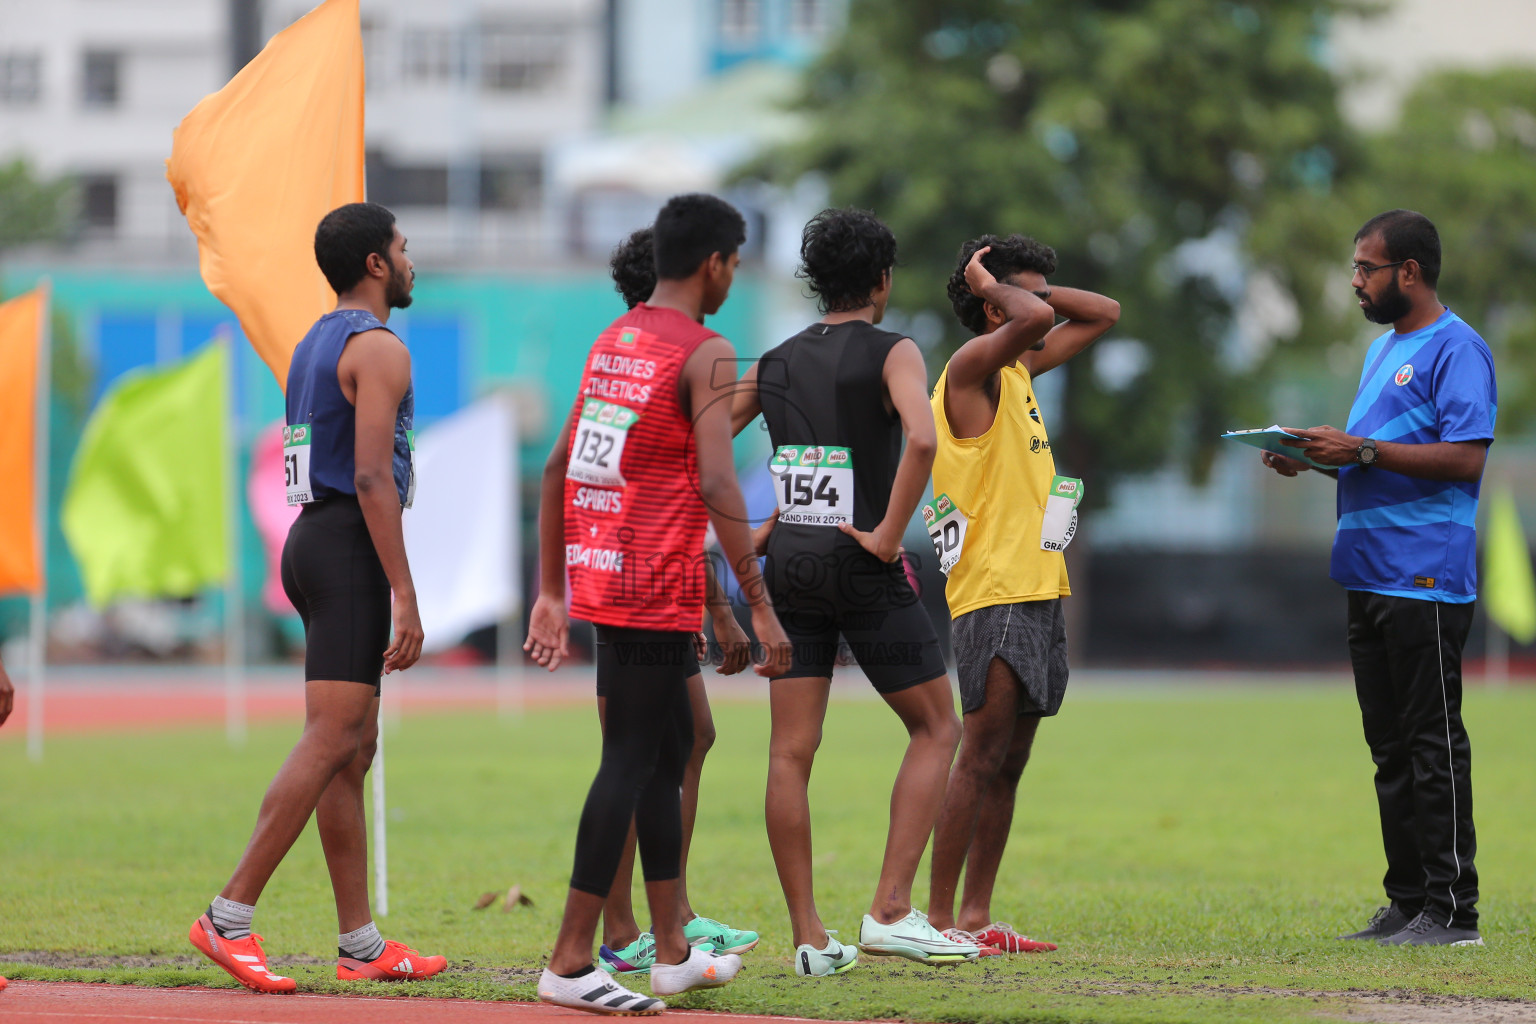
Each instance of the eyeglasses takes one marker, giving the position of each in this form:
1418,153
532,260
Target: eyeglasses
1366,270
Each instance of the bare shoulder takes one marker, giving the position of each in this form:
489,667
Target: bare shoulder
379,342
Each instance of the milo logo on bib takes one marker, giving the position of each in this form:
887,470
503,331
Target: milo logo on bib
1059,524
946,528
814,484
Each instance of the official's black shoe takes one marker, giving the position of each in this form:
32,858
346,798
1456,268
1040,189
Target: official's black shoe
1423,931
1386,922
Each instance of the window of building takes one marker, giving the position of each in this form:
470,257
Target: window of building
21,78
520,58
741,21
374,64
807,17
98,201
395,184
433,55
510,182
103,78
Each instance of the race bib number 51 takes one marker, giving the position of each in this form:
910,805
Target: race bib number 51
946,526
296,463
814,484
599,445
1060,523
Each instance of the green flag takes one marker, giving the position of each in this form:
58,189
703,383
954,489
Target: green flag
144,512
1509,593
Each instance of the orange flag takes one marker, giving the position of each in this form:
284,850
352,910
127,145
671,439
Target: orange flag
258,163
21,333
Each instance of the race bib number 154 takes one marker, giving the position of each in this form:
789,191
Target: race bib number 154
814,484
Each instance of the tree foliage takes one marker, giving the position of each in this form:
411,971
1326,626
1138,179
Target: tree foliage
1463,153
31,209
1171,152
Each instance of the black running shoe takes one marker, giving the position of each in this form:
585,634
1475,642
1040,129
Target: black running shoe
1386,922
1423,931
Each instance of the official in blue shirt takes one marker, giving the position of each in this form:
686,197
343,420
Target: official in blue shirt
1409,466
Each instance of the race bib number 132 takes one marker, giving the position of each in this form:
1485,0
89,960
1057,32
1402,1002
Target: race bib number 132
814,484
599,444
296,441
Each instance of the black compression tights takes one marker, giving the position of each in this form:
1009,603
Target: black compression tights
647,740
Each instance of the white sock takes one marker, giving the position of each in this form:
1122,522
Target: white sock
365,944
233,920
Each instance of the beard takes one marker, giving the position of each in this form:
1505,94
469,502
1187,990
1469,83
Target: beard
1392,306
397,293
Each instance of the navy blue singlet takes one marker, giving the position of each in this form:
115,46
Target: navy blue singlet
315,400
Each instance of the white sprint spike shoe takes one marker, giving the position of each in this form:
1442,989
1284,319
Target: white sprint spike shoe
811,962
914,938
596,993
702,969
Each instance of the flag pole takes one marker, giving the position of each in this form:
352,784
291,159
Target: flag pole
380,832
509,653
37,627
1496,656
234,617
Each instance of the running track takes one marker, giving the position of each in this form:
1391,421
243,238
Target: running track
68,1002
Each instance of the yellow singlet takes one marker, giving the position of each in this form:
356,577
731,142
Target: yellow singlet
1000,481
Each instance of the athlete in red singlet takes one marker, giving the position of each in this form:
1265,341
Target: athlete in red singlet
643,460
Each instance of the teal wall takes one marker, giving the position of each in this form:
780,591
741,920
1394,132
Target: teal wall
469,334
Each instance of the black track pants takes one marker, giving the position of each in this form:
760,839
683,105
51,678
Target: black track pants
647,741
1407,660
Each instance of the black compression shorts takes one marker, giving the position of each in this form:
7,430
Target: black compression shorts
333,576
847,590
690,669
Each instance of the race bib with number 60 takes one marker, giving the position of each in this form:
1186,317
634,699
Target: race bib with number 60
946,526
296,463
599,445
814,484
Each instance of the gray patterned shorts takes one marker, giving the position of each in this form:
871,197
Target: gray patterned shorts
1030,636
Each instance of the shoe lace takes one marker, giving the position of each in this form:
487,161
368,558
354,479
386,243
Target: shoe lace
258,940
1421,924
1001,926
1379,916
962,936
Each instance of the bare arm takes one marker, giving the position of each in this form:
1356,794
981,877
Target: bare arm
1029,318
746,404
549,626
722,497
1438,460
735,647
1088,315
906,379
379,368
7,695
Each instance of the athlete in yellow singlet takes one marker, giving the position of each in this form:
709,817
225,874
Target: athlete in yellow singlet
1001,518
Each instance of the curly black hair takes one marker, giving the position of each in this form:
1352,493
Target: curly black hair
633,266
844,255
1008,257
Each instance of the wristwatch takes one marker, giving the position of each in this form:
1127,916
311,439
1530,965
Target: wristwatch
1365,455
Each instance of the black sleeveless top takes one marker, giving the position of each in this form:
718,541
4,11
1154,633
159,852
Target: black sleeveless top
825,386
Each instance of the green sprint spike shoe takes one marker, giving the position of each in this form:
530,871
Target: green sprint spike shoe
636,958
724,938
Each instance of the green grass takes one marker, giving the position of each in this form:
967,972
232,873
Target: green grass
1191,849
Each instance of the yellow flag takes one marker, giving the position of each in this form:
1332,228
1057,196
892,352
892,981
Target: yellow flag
258,163
1509,592
21,331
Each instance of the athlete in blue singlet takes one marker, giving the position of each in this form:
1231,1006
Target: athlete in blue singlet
347,461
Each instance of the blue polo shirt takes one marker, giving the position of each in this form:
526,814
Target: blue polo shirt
1400,535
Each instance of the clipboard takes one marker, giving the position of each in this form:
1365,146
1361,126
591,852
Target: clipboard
1268,439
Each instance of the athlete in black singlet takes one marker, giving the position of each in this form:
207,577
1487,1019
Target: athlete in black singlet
838,398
